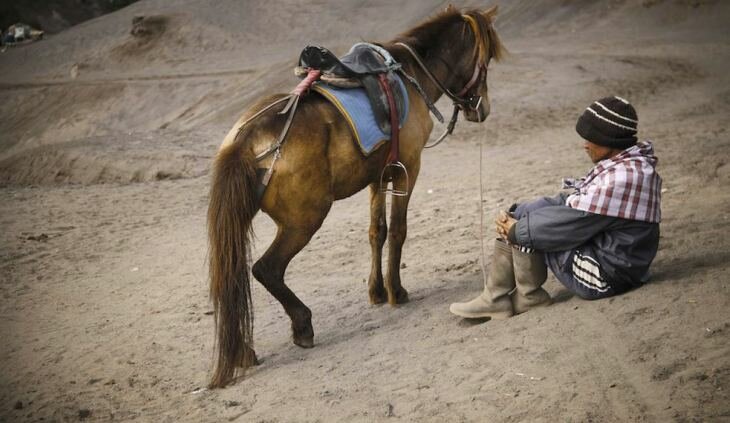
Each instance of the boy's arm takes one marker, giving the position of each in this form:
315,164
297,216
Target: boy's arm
557,228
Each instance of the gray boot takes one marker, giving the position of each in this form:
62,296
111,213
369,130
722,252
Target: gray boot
494,301
530,273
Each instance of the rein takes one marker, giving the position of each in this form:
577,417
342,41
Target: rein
459,100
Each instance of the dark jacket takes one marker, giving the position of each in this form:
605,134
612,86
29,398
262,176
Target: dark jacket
623,248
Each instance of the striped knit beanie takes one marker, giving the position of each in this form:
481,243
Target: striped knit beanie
610,122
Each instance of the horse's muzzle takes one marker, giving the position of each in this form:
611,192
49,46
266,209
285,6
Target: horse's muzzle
477,110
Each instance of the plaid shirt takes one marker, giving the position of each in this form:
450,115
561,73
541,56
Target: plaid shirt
626,186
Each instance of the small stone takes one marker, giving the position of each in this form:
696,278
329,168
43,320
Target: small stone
389,411
18,405
229,403
84,413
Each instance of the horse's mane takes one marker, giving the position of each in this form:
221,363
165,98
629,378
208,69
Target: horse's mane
426,35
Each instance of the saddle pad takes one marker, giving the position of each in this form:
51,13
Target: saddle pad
355,107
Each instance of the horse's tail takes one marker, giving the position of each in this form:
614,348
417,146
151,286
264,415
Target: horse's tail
233,204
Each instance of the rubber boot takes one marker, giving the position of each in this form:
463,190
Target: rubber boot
494,301
530,273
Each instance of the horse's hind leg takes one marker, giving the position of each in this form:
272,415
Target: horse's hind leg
378,233
270,269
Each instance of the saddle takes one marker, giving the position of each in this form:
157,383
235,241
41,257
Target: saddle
365,65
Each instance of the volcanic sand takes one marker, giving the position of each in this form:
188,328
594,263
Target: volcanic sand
106,140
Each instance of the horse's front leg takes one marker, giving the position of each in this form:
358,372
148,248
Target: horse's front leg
397,236
378,233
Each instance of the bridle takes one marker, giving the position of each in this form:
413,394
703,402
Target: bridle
461,100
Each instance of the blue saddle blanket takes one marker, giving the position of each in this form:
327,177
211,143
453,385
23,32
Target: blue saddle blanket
355,107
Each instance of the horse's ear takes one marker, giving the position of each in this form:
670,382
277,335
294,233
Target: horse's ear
491,13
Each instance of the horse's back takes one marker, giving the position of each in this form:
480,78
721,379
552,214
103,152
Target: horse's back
320,159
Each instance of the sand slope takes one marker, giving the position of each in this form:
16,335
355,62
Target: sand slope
105,143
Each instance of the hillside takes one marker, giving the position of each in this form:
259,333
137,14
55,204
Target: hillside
107,132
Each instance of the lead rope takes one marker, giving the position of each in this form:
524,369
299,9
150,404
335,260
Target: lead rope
481,206
482,261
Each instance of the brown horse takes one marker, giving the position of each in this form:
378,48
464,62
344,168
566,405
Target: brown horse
320,163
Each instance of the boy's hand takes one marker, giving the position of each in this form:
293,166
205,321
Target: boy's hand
504,222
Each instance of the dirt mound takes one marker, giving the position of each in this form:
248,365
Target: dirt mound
92,161
162,38
146,31
146,35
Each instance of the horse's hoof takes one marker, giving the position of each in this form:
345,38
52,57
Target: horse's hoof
303,336
400,297
304,342
378,297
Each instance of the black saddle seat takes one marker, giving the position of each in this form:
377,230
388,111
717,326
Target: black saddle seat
359,61
364,63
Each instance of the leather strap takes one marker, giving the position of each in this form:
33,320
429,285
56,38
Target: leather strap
307,82
394,118
457,99
420,91
474,78
290,109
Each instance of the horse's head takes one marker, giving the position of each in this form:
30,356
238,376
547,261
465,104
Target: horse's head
485,45
457,48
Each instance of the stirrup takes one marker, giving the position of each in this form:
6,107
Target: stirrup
396,166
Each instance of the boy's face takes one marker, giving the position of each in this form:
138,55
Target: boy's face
598,152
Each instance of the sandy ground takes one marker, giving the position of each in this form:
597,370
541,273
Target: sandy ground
105,144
